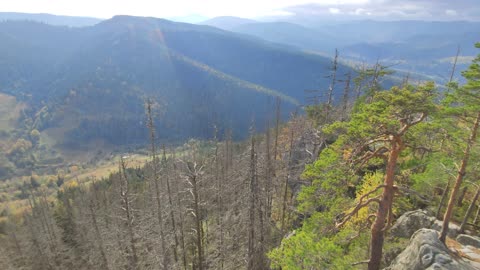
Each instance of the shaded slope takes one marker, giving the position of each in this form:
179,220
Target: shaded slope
93,81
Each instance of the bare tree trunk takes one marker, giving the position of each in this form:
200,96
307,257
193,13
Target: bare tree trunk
442,201
194,170
384,211
126,206
198,223
277,126
458,181
98,235
454,66
170,202
156,181
476,215
461,197
180,214
331,86
285,186
469,211
346,95
219,199
268,175
251,264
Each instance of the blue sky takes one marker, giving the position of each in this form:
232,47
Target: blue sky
382,9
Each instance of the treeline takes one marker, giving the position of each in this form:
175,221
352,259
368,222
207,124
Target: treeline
213,205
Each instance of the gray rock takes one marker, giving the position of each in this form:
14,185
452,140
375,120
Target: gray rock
425,251
411,222
453,229
468,240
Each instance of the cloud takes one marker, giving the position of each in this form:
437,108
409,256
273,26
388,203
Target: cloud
334,10
450,12
433,10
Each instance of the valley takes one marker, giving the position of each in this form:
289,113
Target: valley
289,141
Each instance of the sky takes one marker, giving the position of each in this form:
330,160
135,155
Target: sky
375,9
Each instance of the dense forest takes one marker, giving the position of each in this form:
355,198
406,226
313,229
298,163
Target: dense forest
320,191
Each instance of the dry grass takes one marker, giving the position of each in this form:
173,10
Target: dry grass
457,247
9,111
107,168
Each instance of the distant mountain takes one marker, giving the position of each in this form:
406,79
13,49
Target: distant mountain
227,22
414,46
91,83
49,19
290,34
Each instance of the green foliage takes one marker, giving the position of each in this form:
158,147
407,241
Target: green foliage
306,250
35,136
391,109
342,175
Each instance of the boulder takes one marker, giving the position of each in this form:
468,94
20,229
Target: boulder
453,229
425,251
410,222
468,240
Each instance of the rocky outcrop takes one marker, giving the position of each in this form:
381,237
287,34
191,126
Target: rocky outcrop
413,221
425,251
410,222
453,229
468,240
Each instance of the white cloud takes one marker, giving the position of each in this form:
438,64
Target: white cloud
334,10
391,9
162,8
451,12
360,11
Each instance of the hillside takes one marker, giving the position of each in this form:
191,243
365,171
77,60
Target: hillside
414,46
89,84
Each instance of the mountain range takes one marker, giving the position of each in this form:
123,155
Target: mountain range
49,19
90,83
421,47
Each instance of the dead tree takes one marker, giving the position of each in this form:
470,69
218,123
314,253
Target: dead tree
193,172
126,202
156,182
331,87
469,211
181,219
442,200
98,235
459,178
277,126
461,197
346,95
170,204
454,66
251,264
268,175
287,176
219,199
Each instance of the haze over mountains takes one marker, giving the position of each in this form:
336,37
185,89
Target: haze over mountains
49,19
92,82
414,46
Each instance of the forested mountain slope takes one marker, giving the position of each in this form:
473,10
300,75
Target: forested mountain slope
196,74
414,46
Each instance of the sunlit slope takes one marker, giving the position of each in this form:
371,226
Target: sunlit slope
93,81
